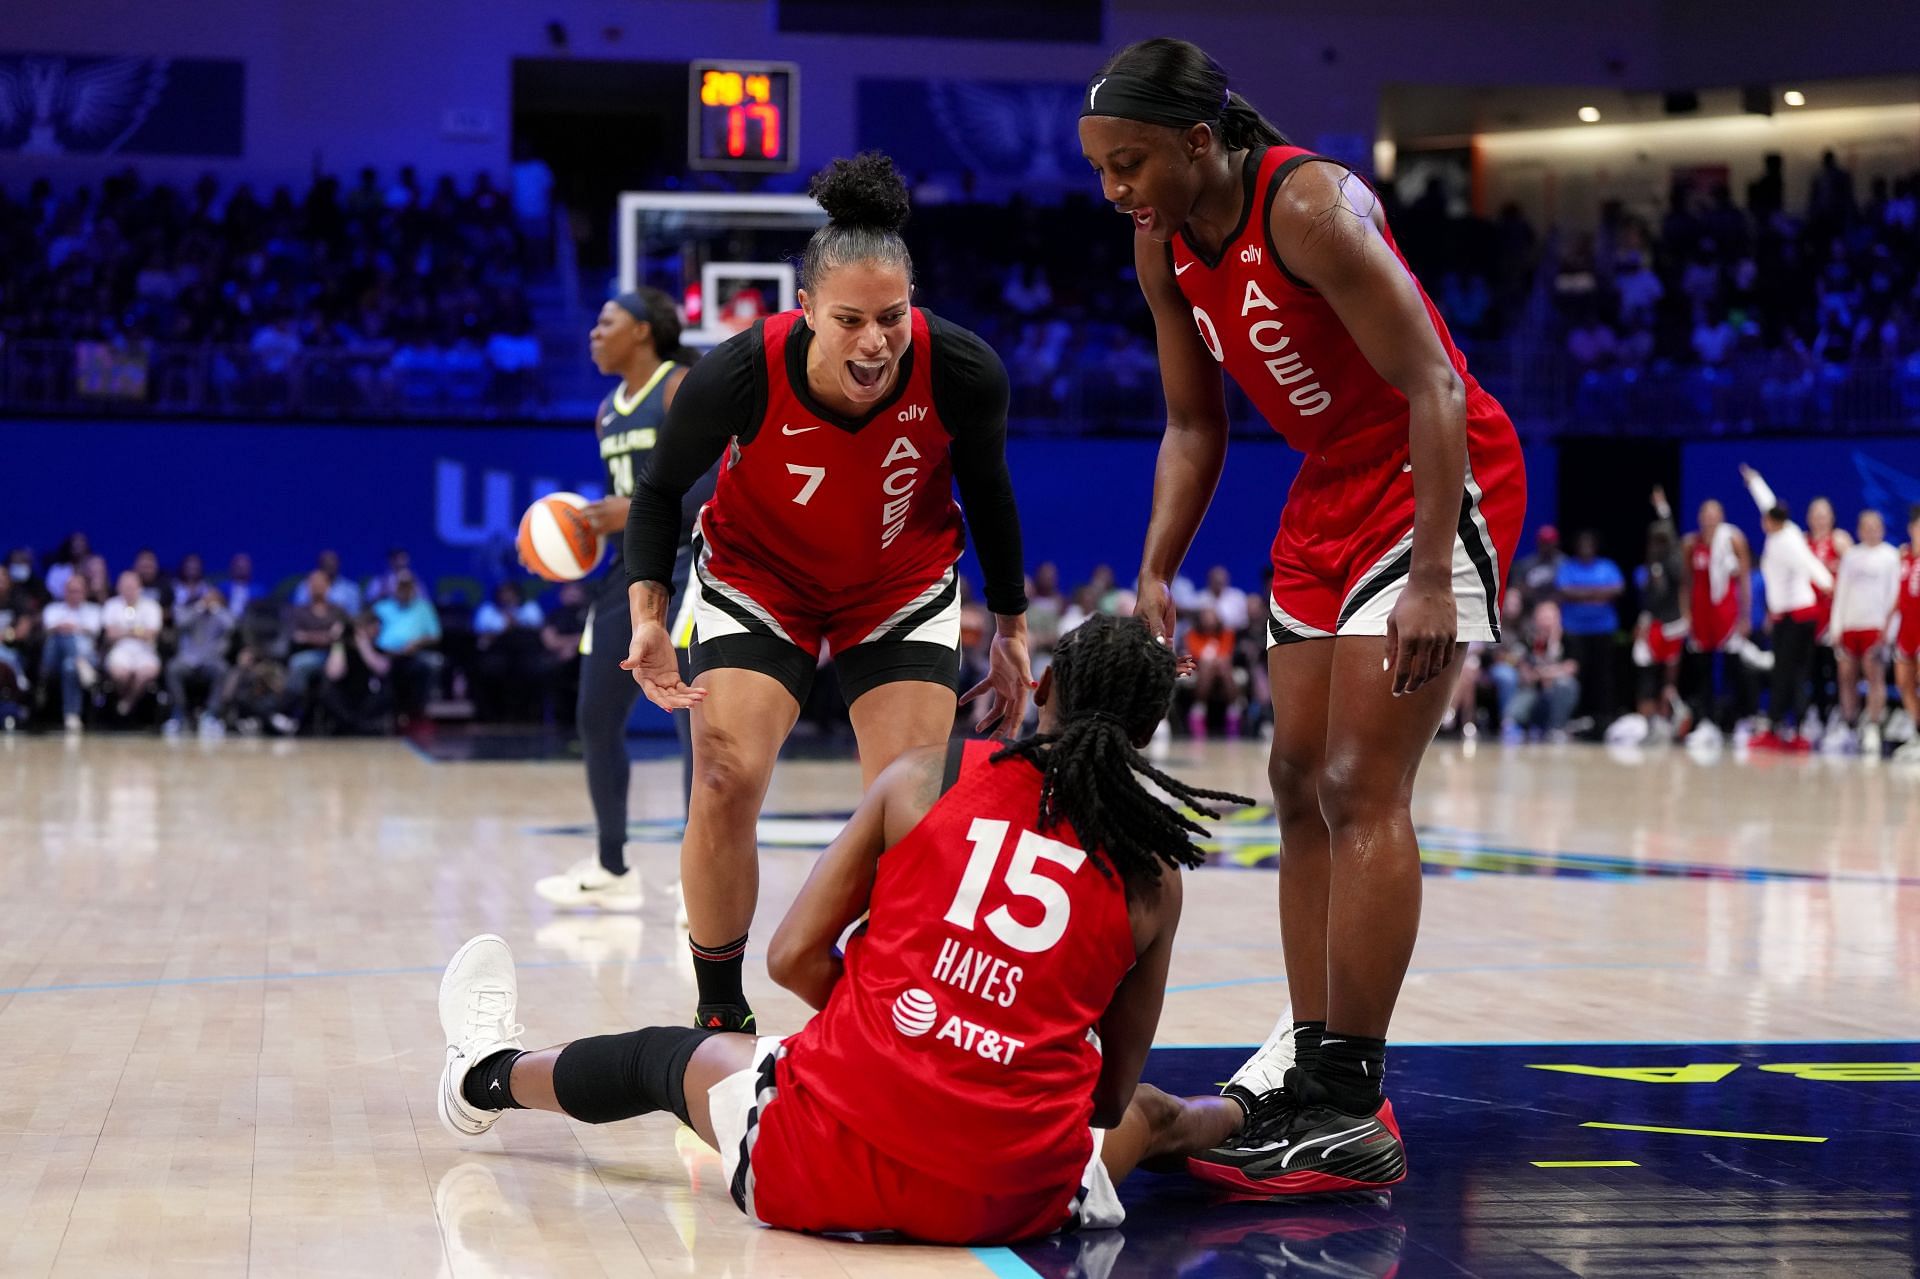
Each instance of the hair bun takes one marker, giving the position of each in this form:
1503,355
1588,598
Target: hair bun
865,191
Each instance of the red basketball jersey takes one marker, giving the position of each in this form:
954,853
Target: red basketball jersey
1908,631
1825,550
829,510
1284,345
1713,617
958,1039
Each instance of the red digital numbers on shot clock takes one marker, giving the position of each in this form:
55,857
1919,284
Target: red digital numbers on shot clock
742,116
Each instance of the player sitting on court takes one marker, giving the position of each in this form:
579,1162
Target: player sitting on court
1017,901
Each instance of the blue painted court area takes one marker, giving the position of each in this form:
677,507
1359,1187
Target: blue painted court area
1793,1159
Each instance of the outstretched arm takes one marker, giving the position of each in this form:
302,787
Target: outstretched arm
805,955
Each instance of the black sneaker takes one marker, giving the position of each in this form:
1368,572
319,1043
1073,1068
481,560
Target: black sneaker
729,1017
1296,1146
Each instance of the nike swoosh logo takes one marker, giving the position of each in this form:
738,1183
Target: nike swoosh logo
788,430
1182,268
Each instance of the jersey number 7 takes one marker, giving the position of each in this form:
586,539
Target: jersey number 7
988,838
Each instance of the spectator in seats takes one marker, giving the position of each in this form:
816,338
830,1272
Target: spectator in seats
312,628
566,624
510,671
1227,601
1592,344
976,636
1587,586
154,584
356,694
1830,203
342,591
68,558
99,584
398,562
1045,605
69,654
204,626
409,636
189,584
130,627
1026,291
1545,684
1215,695
28,585
240,592
1533,577
1713,334
16,632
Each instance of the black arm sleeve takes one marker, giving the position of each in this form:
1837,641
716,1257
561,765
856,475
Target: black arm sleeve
714,404
970,394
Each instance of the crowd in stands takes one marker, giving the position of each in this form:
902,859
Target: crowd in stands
1813,634
178,651
391,289
353,283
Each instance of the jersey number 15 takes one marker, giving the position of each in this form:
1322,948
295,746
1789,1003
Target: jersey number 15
1022,879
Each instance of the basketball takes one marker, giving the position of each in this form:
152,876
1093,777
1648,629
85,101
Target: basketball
555,540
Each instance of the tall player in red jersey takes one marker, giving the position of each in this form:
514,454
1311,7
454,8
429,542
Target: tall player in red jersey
842,430
1276,265
1017,902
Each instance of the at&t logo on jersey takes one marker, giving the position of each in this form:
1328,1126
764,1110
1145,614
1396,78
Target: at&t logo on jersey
914,1013
988,1044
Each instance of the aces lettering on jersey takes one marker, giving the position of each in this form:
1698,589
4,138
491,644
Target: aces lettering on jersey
1267,336
897,483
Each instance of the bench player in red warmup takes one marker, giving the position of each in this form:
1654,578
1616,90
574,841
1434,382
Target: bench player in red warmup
1017,902
1276,265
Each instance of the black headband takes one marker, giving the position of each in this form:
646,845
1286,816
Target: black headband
635,305
1132,97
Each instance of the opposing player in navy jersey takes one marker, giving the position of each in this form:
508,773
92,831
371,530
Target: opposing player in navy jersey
1277,266
637,338
842,429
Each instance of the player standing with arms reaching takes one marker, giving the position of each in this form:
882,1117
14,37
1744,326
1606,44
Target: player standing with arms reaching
637,337
1277,265
843,429
1015,901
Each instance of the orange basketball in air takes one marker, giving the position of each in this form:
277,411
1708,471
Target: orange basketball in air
555,540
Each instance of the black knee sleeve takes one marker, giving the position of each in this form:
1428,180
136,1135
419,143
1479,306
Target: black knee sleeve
613,1077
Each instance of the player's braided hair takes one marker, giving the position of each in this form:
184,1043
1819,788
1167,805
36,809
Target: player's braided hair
1113,682
1186,69
867,204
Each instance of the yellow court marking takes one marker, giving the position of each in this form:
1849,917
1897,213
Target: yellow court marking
1585,1163
1703,1132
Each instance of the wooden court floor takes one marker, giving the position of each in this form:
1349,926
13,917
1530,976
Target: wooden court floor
218,966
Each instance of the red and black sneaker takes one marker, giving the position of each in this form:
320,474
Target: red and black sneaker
730,1017
1312,1150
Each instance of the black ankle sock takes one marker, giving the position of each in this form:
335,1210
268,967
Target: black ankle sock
613,856
716,969
1306,1043
1351,1068
489,1084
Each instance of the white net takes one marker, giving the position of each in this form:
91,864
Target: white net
727,259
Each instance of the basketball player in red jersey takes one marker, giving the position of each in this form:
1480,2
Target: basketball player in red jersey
1905,628
842,430
1829,544
1719,620
1016,902
1276,265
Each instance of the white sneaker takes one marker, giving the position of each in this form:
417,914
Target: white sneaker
1910,753
1870,741
210,725
1900,726
171,728
1705,734
1267,1069
587,885
1837,741
73,725
478,995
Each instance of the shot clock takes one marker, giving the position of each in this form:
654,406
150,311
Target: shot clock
743,116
